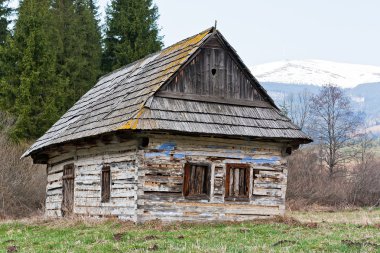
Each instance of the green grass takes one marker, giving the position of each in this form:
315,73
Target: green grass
286,235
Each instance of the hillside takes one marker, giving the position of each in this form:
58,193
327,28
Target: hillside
362,82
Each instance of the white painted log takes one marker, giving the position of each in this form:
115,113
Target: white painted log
54,185
54,177
105,210
53,205
96,202
267,192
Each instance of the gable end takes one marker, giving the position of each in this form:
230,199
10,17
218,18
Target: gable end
214,73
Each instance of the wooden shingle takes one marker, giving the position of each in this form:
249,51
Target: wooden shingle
129,99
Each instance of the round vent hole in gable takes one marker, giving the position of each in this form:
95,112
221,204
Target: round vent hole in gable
213,72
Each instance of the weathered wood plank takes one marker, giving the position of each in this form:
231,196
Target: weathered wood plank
104,210
54,185
162,187
51,192
96,202
164,179
54,177
267,192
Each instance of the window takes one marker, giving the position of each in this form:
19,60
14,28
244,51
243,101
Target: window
196,180
106,183
237,181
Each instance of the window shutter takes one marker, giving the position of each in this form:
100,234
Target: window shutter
186,180
68,189
106,183
196,180
237,181
227,185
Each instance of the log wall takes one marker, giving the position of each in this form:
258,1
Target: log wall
147,183
89,161
162,169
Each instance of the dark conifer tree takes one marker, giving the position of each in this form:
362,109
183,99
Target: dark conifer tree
5,60
131,32
52,59
5,12
32,85
89,44
94,8
79,46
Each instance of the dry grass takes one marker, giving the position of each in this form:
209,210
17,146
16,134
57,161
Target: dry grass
297,232
356,216
309,183
22,184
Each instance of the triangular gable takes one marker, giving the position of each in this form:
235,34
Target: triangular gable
215,71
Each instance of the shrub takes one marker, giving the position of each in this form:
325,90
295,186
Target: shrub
22,184
309,182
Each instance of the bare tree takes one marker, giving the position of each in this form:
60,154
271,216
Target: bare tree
335,124
308,185
365,175
297,107
365,141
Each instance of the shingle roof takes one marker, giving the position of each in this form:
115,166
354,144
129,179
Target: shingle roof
213,118
124,99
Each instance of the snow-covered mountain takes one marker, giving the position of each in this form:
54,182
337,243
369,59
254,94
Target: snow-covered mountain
361,82
316,72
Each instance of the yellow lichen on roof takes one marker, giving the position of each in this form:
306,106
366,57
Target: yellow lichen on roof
185,43
132,123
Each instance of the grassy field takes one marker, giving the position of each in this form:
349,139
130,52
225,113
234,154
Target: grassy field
348,231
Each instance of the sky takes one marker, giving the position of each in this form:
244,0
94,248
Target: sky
272,30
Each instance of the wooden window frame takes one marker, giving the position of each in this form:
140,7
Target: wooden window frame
105,187
187,181
248,178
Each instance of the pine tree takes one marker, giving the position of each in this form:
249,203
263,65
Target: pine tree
5,11
94,9
33,85
131,32
6,62
80,46
90,43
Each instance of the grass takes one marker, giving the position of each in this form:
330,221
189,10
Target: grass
362,216
332,233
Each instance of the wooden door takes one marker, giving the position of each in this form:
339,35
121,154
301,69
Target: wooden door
68,189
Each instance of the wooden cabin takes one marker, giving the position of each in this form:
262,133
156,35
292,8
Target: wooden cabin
185,134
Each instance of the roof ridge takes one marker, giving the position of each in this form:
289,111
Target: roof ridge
210,29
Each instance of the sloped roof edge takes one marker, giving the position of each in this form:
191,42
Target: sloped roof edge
180,52
122,96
